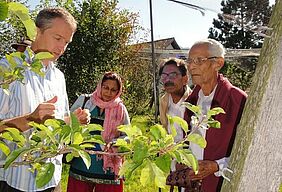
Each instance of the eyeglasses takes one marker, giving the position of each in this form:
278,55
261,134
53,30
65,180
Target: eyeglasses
198,60
171,75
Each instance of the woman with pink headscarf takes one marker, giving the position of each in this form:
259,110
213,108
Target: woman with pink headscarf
106,109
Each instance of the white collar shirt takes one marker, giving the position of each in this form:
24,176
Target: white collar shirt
24,98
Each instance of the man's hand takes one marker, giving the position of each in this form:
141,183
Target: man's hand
206,167
45,110
82,115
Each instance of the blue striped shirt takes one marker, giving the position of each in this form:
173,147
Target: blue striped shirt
24,98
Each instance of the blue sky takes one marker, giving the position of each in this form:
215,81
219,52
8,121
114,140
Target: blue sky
173,20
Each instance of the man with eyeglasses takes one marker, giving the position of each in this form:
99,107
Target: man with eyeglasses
205,59
174,78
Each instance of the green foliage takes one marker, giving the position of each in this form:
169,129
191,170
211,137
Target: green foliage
240,71
236,34
148,154
99,44
48,140
151,152
245,14
15,72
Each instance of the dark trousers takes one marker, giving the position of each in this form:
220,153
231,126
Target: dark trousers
7,188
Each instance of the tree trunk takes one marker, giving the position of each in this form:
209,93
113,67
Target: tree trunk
256,158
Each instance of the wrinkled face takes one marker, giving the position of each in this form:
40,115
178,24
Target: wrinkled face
54,39
109,90
201,65
172,79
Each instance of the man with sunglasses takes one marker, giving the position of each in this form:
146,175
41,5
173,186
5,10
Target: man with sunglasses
205,59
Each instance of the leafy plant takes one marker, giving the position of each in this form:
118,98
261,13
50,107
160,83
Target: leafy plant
151,151
49,140
148,153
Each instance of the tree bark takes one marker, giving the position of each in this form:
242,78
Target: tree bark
256,158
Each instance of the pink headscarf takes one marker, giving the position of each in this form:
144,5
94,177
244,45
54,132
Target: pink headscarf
114,116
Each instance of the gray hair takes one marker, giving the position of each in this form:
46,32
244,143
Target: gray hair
215,48
45,17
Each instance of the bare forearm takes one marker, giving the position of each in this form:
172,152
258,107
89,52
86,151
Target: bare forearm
20,123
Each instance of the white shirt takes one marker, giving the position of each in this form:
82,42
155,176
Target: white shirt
23,99
205,103
176,109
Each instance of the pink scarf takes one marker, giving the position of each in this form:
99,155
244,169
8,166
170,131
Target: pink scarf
114,114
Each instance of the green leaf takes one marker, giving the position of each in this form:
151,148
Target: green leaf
130,131
93,127
94,139
146,174
69,157
65,134
44,174
36,67
22,12
17,135
189,159
195,109
4,148
3,10
127,168
180,121
172,128
160,178
197,139
215,111
158,132
164,162
43,55
45,129
85,157
14,155
77,138
53,123
7,136
75,125
87,145
140,151
214,124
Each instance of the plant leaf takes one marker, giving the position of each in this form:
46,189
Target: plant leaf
180,121
43,55
158,132
146,174
44,174
22,12
215,111
197,139
77,138
195,109
4,10
4,148
164,162
14,155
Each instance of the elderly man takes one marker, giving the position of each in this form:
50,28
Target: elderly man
205,59
174,77
39,98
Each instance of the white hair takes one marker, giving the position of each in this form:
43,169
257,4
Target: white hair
215,48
